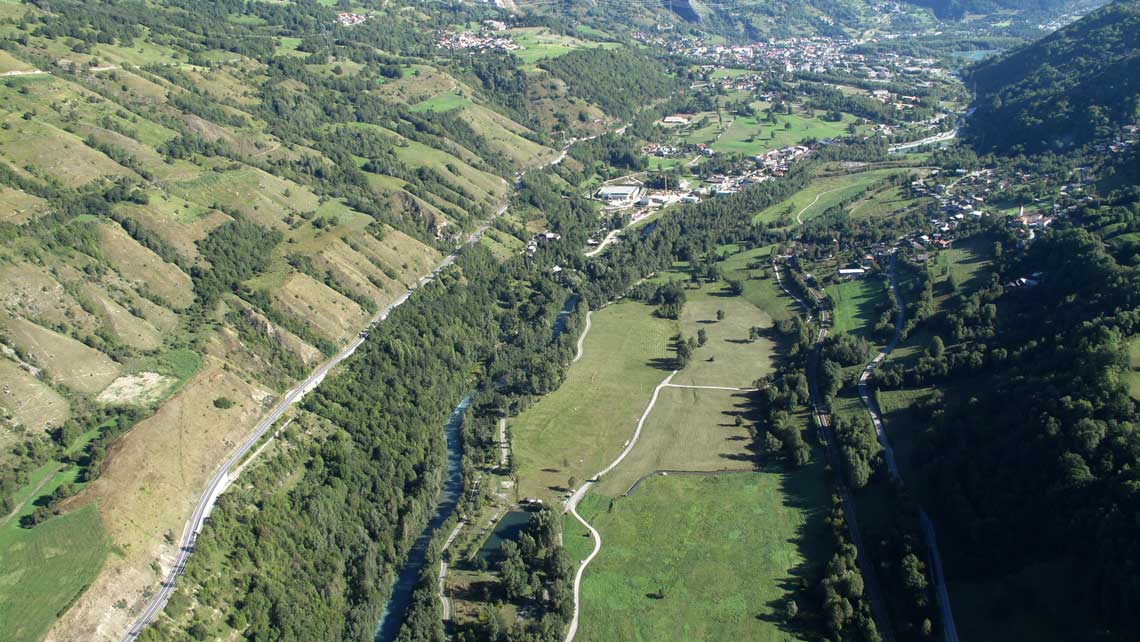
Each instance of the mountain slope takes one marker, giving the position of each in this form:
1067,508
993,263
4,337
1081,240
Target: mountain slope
1077,85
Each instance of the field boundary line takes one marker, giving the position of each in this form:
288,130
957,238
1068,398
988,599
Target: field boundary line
730,388
686,473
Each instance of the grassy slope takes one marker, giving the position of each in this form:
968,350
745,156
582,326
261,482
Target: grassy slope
725,550
162,463
735,360
687,430
856,303
830,190
578,429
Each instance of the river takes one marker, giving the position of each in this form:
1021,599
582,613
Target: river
567,310
397,607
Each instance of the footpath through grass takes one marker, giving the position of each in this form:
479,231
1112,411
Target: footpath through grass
702,558
578,429
821,194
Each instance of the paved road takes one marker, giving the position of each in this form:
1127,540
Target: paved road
226,474
443,571
949,630
572,505
823,419
866,567
930,140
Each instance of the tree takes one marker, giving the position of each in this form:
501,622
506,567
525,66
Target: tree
684,353
702,337
512,571
720,315
937,348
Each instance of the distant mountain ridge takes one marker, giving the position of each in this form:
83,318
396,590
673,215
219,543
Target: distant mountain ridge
1078,85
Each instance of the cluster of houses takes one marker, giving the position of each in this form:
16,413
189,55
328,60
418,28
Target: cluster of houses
346,19
483,42
1129,136
541,238
662,151
815,54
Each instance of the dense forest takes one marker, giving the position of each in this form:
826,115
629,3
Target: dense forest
1074,86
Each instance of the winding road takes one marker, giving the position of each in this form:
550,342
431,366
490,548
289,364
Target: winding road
949,630
572,505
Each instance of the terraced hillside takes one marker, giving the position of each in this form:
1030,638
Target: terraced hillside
198,204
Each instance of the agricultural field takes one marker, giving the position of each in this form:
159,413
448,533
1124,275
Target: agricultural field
442,102
884,203
702,558
578,429
750,136
1133,375
753,269
46,567
688,429
823,193
539,43
730,358
856,305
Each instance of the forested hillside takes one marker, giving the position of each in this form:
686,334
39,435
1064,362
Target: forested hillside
199,204
1031,445
1072,87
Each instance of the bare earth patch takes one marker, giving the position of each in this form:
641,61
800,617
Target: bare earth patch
141,388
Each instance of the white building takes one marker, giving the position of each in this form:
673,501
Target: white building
619,195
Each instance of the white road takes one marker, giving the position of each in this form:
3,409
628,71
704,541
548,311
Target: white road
606,241
930,140
443,571
780,282
572,505
799,214
949,630
582,338
681,385
504,447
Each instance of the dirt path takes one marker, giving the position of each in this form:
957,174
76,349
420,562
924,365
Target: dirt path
681,385
572,505
443,571
799,214
780,282
504,447
582,339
